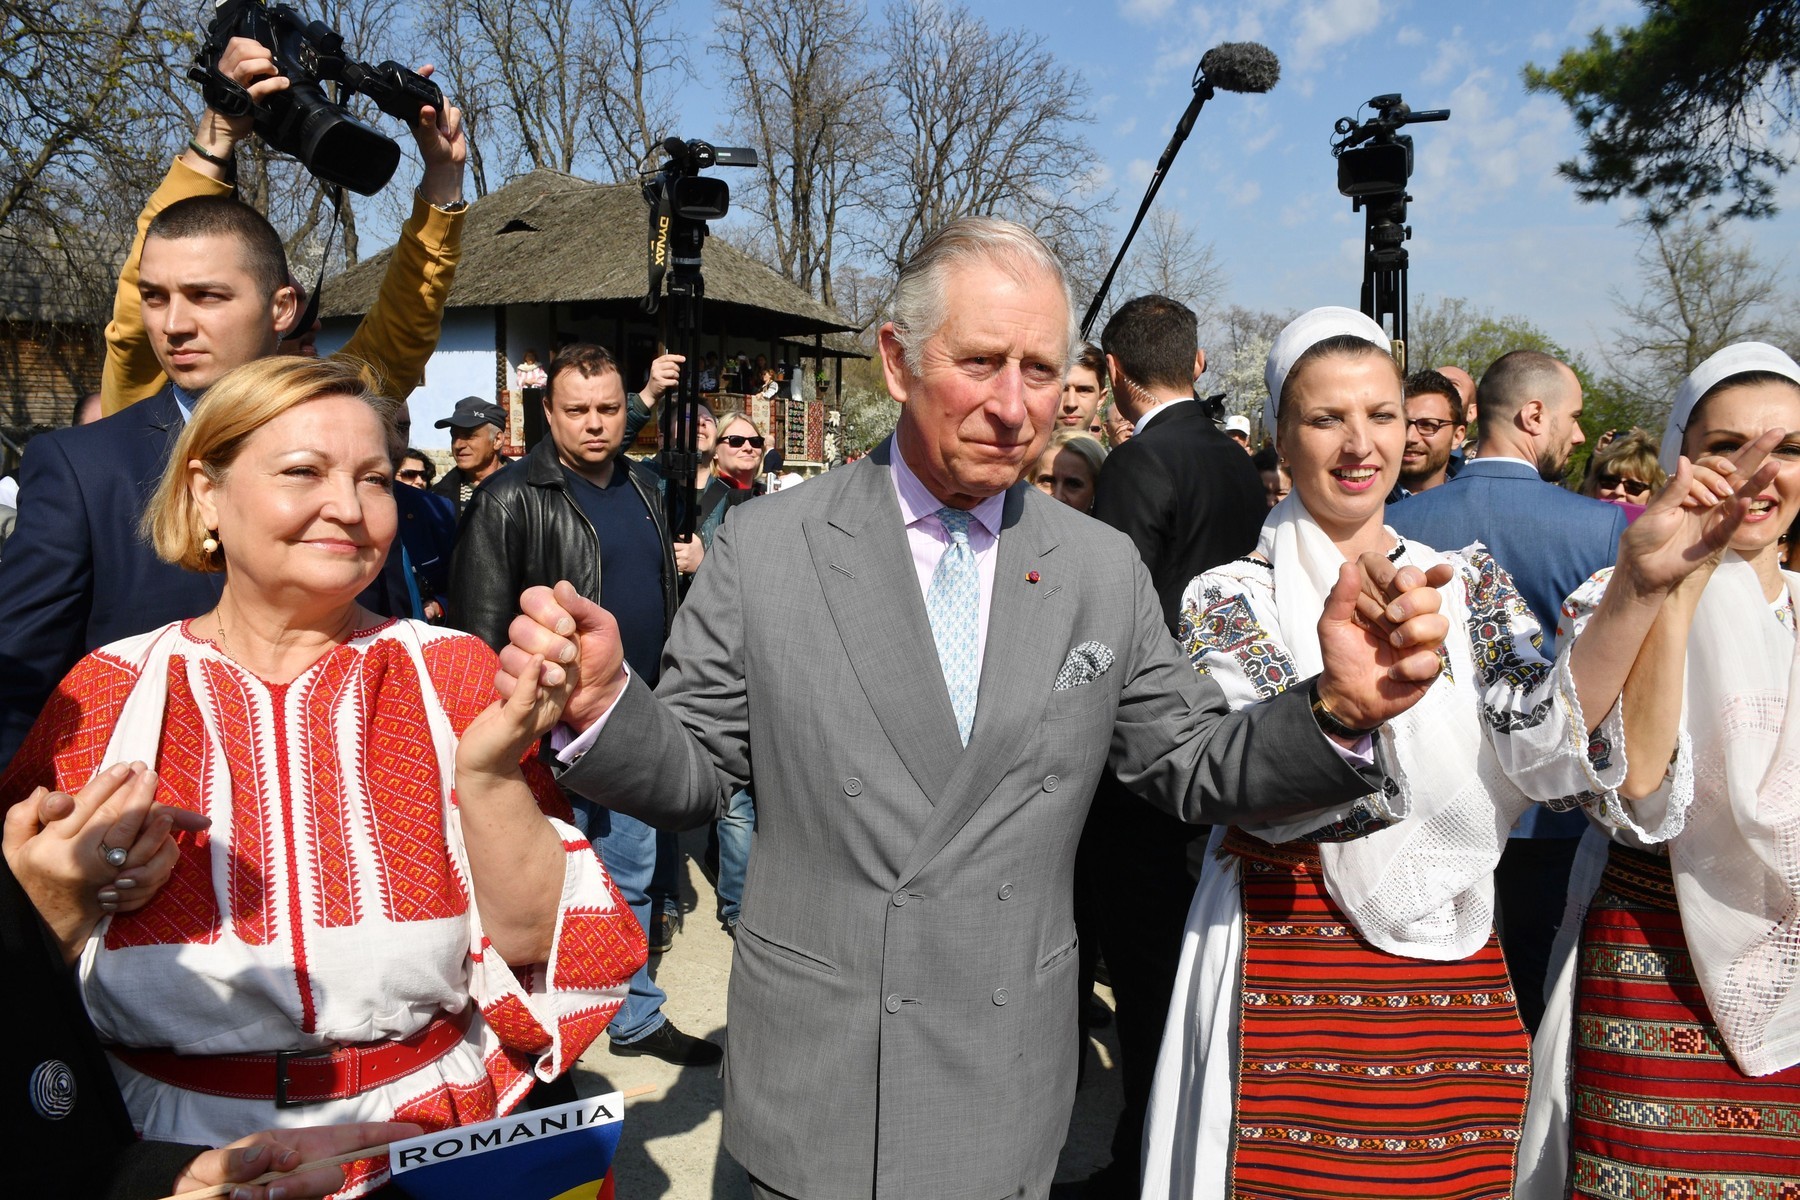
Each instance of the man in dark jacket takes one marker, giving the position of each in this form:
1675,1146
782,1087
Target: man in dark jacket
1189,498
576,508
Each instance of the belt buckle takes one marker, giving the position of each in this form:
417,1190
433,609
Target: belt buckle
282,1058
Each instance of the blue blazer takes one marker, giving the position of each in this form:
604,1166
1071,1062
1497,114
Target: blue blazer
76,574
1548,538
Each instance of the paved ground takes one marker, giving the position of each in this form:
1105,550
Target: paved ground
670,1149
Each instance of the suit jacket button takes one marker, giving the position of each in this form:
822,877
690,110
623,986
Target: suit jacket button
999,995
853,786
893,1004
900,899
1006,891
1050,782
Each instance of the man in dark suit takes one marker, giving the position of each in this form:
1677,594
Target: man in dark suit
922,664
1550,540
1189,498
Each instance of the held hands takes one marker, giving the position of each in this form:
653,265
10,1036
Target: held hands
1380,636
1686,527
496,740
279,1150
566,630
57,846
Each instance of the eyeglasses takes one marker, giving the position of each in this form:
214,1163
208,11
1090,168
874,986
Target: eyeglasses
1427,425
739,440
1631,487
409,475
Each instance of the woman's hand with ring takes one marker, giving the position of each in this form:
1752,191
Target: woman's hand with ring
57,847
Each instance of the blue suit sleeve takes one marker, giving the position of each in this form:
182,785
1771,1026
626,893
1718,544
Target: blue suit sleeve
47,585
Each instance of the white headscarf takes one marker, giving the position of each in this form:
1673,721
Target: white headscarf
1302,334
1732,360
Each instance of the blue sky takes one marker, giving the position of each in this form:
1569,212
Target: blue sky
1492,221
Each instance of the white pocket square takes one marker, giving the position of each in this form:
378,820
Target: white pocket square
1086,662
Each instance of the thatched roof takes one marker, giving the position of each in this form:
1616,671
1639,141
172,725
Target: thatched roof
548,237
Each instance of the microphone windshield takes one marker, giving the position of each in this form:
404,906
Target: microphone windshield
1241,67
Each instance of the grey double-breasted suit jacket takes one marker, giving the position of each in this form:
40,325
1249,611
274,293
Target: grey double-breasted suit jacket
902,1011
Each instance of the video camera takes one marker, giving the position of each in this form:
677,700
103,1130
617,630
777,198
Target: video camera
302,120
681,202
1375,161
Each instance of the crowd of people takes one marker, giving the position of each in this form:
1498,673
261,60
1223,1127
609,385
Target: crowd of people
1434,824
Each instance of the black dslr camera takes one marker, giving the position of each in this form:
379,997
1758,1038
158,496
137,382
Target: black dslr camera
302,121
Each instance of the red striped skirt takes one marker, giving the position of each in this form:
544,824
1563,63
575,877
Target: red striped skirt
1362,1073
1659,1109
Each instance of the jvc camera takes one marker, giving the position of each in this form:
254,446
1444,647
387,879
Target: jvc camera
302,120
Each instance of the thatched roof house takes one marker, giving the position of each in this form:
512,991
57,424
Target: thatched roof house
551,258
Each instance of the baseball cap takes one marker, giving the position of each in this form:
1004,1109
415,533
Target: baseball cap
472,412
1237,423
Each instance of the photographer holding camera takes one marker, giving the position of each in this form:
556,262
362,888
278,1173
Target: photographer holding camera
212,277
401,329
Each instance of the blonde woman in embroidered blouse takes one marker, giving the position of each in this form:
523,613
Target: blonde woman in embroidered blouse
384,881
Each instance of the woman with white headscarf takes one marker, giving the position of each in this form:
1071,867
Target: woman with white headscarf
1343,1023
1668,1062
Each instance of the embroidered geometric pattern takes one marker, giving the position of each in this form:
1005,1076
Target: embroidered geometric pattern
1360,821
417,883
1493,603
249,869
334,891
1658,1108
953,603
590,942
1228,626
187,909
1407,1078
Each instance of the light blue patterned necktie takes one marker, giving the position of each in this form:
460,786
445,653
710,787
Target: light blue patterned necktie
953,603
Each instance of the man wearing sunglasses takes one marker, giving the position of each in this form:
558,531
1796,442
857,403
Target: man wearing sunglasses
1434,428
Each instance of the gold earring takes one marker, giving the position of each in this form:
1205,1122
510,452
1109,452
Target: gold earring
210,544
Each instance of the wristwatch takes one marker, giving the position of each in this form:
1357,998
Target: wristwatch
1328,720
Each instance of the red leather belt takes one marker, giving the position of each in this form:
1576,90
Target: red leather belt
295,1077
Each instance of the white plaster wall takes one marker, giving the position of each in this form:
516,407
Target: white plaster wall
462,365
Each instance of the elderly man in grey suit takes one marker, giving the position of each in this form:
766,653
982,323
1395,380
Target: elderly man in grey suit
923,665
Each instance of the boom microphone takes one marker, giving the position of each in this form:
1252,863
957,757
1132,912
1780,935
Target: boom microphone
1241,67
1227,67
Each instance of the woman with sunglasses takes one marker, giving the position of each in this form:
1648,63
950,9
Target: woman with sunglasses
1624,470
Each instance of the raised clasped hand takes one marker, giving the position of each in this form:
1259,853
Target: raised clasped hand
496,741
1685,529
1380,638
566,629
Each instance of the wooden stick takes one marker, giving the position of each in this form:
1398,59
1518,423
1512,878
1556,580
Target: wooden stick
224,1189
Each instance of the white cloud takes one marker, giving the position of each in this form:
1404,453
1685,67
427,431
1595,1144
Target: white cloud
1145,11
1450,59
1410,35
1323,24
1139,170
1125,127
1248,192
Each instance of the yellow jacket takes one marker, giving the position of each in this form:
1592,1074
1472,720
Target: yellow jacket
396,337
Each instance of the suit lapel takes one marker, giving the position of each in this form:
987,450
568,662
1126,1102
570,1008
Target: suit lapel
1027,636
865,569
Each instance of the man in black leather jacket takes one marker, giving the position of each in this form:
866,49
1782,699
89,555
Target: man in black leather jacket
576,508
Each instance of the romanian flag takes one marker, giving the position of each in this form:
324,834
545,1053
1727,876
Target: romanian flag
560,1153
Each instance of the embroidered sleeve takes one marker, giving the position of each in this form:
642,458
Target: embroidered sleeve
1657,817
69,738
544,1015
1227,638
547,1014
